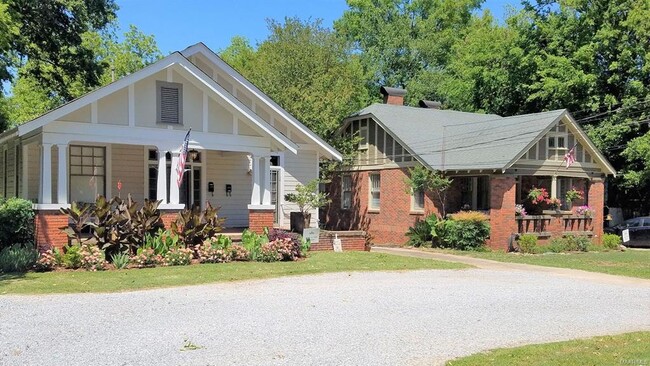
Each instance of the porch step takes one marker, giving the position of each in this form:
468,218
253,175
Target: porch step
234,236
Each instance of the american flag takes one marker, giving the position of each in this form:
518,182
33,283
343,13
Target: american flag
180,169
570,157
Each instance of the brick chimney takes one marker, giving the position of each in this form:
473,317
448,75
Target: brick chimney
393,96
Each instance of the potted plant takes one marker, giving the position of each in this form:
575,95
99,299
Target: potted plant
585,211
554,203
537,197
573,195
520,210
306,197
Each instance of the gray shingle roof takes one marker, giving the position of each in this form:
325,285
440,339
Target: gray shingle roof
451,140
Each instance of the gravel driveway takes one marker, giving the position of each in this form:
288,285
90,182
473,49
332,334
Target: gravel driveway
381,318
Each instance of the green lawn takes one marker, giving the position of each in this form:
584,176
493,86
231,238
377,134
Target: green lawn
136,279
632,263
624,349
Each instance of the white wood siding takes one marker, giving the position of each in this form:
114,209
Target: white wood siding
113,109
230,168
298,169
128,166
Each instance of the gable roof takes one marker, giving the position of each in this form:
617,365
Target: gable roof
180,59
244,83
450,140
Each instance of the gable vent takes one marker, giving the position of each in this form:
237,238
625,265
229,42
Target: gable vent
170,101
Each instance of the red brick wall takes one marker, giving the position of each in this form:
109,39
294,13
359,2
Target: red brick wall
350,241
260,219
386,226
597,203
48,229
168,217
502,211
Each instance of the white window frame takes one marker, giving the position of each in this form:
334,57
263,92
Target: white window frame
414,203
107,167
553,137
167,84
346,188
363,133
374,190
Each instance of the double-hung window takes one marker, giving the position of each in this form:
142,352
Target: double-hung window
346,191
418,200
87,173
375,189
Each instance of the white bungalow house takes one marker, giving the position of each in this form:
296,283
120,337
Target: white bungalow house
246,151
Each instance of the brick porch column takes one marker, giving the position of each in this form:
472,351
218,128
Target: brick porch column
48,224
502,210
596,200
260,218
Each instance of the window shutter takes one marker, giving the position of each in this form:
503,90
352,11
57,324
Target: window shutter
169,105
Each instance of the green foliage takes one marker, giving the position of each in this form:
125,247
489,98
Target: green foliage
120,260
419,234
161,242
79,215
72,257
179,257
18,258
147,258
611,241
427,180
279,250
307,197
92,258
557,245
194,226
253,243
465,231
528,244
578,243
16,222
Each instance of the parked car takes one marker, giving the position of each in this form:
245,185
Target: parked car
639,231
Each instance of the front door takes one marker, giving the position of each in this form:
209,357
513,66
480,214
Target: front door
190,191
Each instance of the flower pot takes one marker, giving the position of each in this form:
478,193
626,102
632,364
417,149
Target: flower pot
298,221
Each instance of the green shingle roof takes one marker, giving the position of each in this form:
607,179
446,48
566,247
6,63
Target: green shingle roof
450,140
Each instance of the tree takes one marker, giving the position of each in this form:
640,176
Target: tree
48,34
30,98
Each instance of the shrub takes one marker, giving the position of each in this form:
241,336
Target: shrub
527,243
612,241
277,250
161,242
47,261
557,245
210,254
179,257
120,260
18,258
72,257
92,258
194,226
296,240
465,231
253,243
147,258
419,234
578,243
239,253
16,222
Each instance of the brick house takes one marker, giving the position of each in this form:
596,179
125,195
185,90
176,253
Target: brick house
246,152
494,161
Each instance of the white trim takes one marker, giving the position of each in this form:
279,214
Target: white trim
45,188
63,169
235,125
25,178
49,206
261,207
174,189
171,206
204,113
93,112
211,56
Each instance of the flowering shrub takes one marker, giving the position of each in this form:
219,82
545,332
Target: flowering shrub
554,203
179,257
585,211
46,262
279,250
520,210
92,258
209,253
573,194
275,234
538,195
239,253
147,258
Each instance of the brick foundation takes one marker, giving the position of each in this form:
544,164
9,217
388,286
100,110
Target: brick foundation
258,219
350,241
168,217
502,211
48,226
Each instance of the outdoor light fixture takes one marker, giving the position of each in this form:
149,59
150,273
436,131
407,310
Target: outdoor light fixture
194,154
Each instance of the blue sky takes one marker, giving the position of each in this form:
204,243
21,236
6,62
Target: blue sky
177,24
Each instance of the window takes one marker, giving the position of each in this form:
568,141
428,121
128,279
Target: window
418,200
556,142
475,193
189,192
87,173
375,188
363,134
346,191
169,98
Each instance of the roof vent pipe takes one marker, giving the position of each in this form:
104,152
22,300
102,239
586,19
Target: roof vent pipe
430,104
393,96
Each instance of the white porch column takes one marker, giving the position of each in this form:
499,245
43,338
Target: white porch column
266,174
161,187
62,183
255,195
25,162
554,187
174,196
45,188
